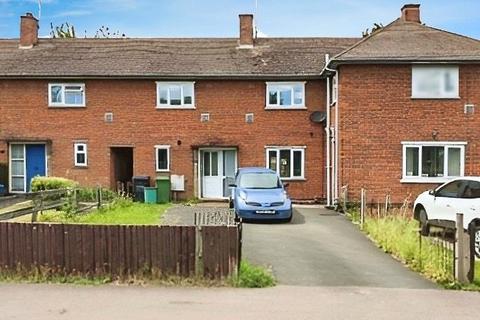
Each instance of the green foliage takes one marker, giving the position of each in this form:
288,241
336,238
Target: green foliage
64,31
51,183
399,236
120,211
251,276
90,194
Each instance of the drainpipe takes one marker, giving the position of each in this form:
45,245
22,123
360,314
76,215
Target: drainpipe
335,151
327,131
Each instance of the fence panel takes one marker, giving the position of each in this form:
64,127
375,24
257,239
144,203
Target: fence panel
118,250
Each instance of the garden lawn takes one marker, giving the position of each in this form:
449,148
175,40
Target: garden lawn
132,214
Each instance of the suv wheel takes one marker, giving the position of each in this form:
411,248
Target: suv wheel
477,244
423,218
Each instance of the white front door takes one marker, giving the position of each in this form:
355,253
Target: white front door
217,172
212,175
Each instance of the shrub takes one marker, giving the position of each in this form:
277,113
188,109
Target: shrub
51,183
254,277
90,194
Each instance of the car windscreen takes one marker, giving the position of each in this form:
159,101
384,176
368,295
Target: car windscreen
259,180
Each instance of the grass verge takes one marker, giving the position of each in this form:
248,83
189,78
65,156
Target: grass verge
251,276
398,236
119,212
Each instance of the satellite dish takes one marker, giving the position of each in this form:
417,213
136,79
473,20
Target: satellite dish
318,117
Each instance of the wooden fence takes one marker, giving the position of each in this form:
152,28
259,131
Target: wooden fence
210,251
39,201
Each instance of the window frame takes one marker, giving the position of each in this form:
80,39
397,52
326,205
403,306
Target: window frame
443,95
76,152
162,147
64,104
420,144
159,84
292,149
278,106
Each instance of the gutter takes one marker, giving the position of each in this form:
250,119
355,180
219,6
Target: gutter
265,77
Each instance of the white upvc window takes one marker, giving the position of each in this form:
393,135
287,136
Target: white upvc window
66,94
288,162
80,154
172,95
162,158
435,82
285,95
432,162
18,170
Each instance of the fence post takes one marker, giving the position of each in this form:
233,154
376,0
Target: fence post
99,197
362,208
199,267
460,270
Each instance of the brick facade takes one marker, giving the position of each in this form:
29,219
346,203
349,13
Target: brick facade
137,123
377,114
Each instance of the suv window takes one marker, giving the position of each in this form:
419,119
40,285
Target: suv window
451,190
471,190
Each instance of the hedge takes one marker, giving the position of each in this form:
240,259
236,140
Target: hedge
51,183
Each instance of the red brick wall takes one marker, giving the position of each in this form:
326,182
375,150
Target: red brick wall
137,123
377,114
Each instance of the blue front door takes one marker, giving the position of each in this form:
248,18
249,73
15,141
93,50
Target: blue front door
36,166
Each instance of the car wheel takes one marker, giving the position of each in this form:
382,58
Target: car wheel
423,218
477,244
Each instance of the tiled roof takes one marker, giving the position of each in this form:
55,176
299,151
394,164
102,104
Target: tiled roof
410,41
170,58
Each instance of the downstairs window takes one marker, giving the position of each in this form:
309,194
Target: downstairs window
432,162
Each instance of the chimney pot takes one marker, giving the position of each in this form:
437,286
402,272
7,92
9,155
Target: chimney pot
28,30
411,13
246,29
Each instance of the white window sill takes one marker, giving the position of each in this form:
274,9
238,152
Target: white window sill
163,170
185,107
81,166
435,98
426,180
285,108
59,106
293,179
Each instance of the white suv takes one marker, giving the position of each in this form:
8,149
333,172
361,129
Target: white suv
440,205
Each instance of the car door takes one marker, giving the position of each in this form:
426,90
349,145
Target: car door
447,201
471,202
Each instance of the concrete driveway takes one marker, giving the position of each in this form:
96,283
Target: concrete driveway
323,248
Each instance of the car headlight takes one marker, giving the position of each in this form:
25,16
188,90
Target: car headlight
243,195
285,196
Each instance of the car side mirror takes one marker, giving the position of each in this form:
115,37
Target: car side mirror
431,192
285,185
232,185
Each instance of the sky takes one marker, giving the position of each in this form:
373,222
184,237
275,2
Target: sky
219,18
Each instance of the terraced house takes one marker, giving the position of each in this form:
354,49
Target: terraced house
392,112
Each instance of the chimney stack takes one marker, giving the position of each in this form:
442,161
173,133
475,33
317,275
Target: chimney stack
246,30
411,13
28,31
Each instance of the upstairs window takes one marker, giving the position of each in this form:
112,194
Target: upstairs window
432,161
175,95
288,162
66,95
435,82
285,95
80,154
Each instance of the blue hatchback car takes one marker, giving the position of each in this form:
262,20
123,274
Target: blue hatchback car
259,194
